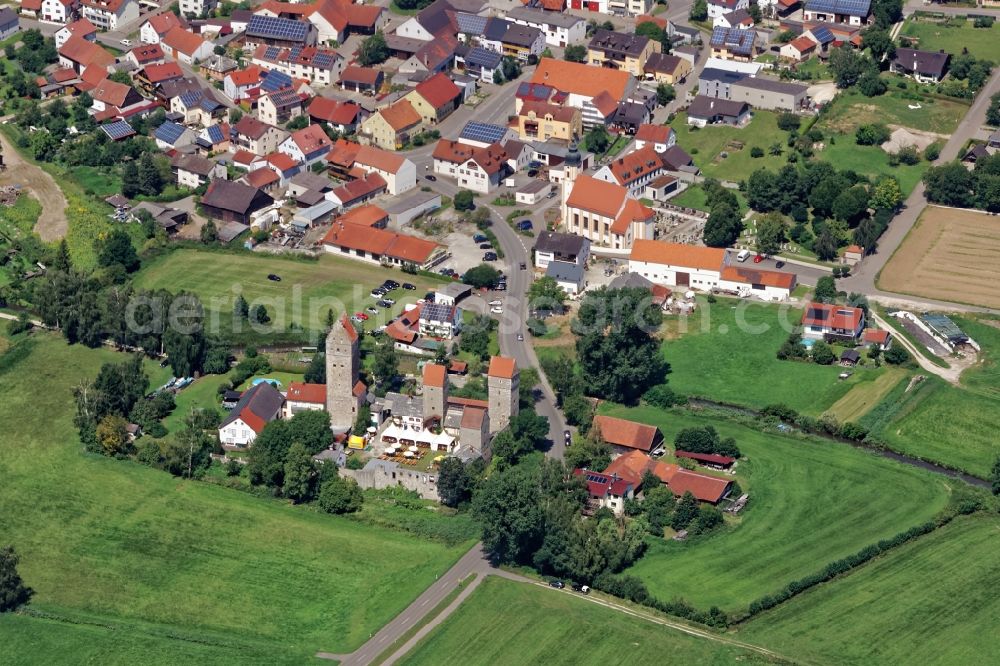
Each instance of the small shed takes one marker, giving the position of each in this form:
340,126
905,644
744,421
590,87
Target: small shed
849,358
533,192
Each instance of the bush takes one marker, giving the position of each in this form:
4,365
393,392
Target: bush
872,134
908,155
663,396
756,152
897,355
823,354
789,122
464,200
932,152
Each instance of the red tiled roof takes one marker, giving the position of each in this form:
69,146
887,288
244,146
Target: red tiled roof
438,90
243,156
584,80
636,165
435,375
875,336
31,5
467,402
601,485
706,457
303,392
85,53
333,111
246,77
82,27
653,133
281,161
400,115
366,75
311,138
158,73
368,215
251,127
828,315
379,159
704,488
111,6
504,367
111,93
802,44
473,417
183,40
632,211
676,254
754,276
163,23
343,153
597,196
261,178
622,432
147,52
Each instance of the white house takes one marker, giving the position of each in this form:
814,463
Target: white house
555,246
194,171
569,277
660,137
438,320
763,284
197,7
307,145
257,407
717,8
677,265
58,11
633,171
109,14
185,46
559,29
474,168
81,28
399,173
155,27
303,397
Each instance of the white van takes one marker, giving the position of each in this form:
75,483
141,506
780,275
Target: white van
743,255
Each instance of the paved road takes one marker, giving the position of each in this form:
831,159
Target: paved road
863,280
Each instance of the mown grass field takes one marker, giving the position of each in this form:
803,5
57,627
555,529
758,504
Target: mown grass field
306,291
865,395
504,622
851,109
705,145
932,601
953,425
726,351
31,640
871,161
953,36
694,197
121,545
810,503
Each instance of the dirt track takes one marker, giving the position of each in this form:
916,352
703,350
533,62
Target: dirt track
52,224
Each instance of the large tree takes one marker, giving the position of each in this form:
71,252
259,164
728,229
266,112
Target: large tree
13,592
546,294
508,507
385,367
373,50
723,226
300,473
618,354
454,484
770,234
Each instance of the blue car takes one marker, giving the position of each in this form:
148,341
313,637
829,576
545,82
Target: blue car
524,225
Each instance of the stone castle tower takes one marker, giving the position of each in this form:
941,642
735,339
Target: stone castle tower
435,380
343,365
571,169
503,380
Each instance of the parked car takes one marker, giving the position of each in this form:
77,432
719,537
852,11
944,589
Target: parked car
501,286
523,266
479,238
273,278
429,297
389,301
582,589
558,584
496,302
377,293
758,258
532,173
567,437
535,164
490,256
384,304
779,264
520,337
743,255
485,246
552,193
361,315
524,225
356,319
372,309
126,42
431,177
409,287
496,309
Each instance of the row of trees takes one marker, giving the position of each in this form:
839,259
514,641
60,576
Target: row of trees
953,185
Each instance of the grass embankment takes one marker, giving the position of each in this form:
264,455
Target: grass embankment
159,559
811,503
934,596
307,290
952,425
504,622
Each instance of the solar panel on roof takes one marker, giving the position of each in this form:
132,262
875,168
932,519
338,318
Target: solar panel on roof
271,52
190,98
209,104
324,60
118,130
483,58
275,81
169,132
277,28
823,35
484,132
215,134
471,23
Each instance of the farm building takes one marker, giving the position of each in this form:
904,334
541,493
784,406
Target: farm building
624,435
678,265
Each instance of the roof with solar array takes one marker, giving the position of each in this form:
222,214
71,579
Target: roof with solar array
275,80
483,58
169,132
118,130
277,28
483,132
849,7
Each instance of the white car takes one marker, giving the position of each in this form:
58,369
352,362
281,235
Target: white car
496,302
126,42
496,309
